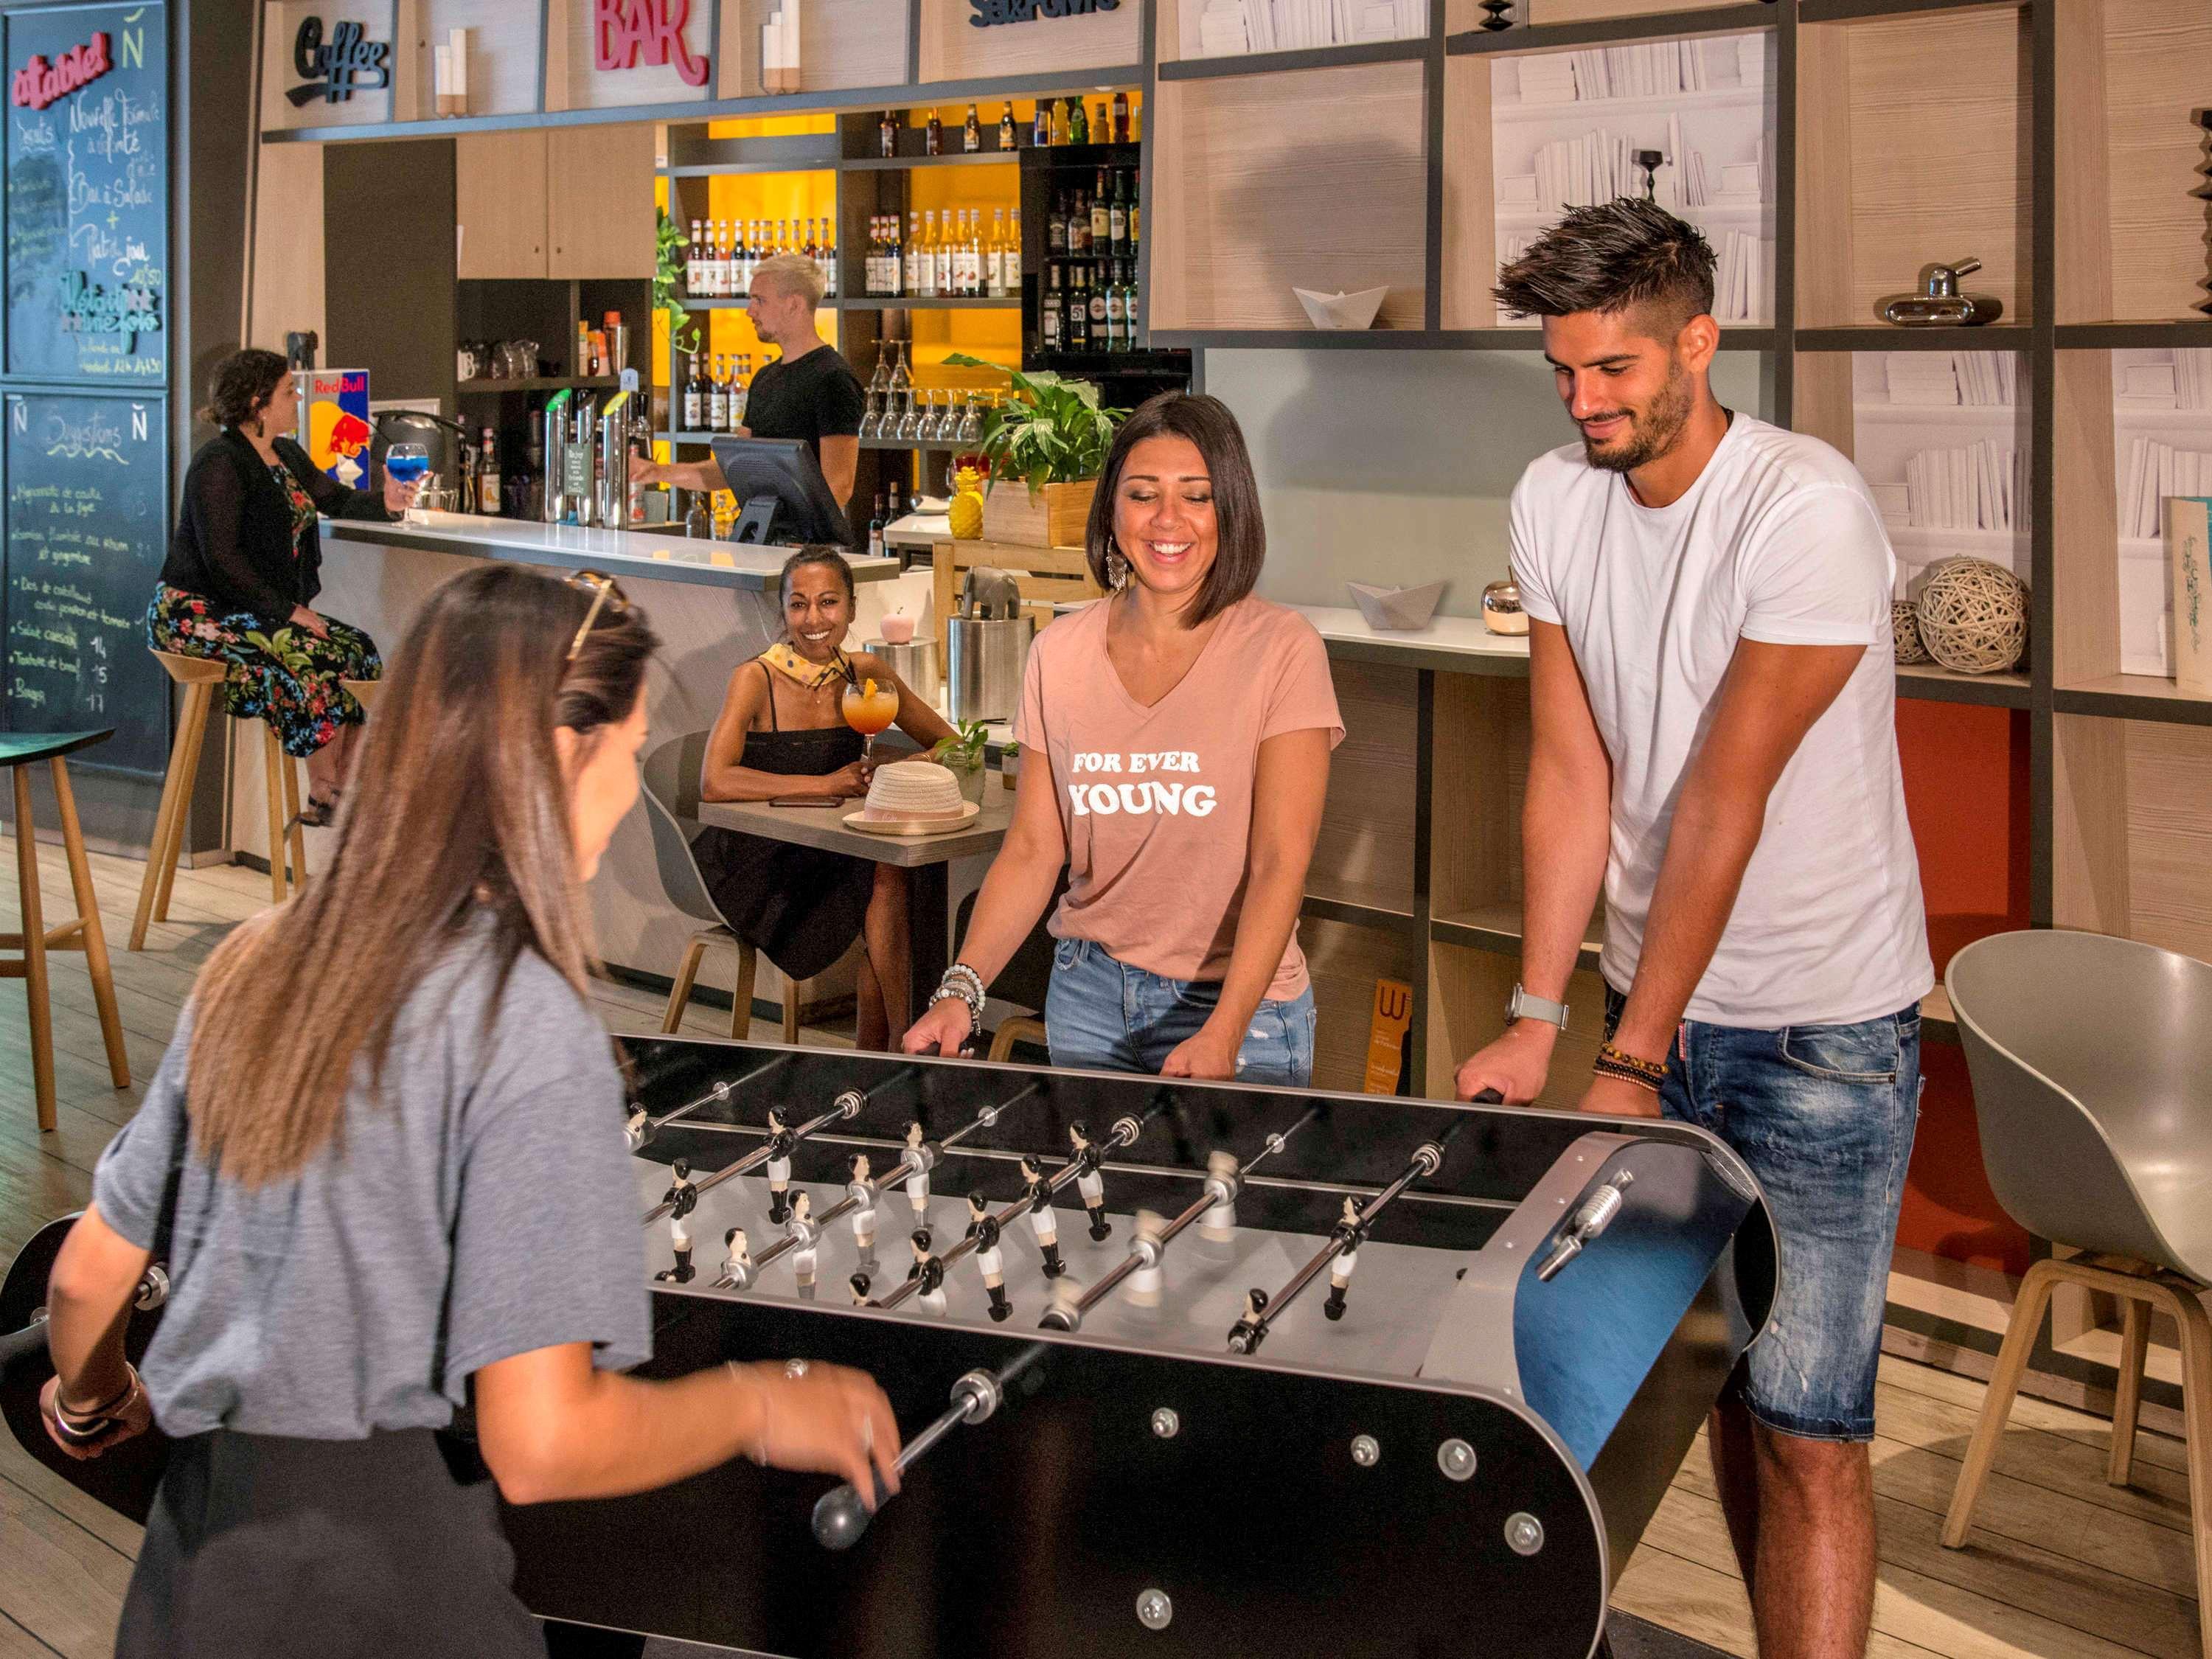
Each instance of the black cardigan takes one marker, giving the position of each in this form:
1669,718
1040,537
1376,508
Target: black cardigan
233,540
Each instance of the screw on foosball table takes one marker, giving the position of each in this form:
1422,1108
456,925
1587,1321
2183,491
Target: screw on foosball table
1154,1611
1364,1451
1456,1459
1524,1533
1166,1424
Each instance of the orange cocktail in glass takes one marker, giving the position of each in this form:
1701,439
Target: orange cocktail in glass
870,705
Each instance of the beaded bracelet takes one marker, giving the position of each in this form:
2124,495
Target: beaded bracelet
1630,1068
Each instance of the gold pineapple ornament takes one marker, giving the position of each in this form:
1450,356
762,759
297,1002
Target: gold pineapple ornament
967,513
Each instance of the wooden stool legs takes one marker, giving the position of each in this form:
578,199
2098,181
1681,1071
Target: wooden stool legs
741,999
2143,1291
283,809
80,933
169,822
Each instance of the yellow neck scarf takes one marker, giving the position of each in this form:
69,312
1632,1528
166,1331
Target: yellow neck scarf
814,676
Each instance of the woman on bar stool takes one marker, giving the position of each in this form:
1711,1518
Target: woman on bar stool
419,1199
246,564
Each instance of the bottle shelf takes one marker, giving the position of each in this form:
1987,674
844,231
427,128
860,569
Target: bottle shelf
989,155
947,445
1008,302
538,383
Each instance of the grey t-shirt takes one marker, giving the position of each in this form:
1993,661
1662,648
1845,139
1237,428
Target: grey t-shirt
483,1207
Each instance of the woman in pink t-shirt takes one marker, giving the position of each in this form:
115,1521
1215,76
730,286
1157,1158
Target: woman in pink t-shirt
1175,752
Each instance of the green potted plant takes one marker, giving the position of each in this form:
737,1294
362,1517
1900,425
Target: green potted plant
962,755
1052,433
667,288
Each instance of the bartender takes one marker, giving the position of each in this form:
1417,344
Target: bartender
809,392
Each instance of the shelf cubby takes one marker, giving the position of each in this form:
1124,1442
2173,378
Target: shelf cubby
1364,853
1919,130
1313,178
2133,840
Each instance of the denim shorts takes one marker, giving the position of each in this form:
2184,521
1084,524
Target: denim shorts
1108,1016
1824,1115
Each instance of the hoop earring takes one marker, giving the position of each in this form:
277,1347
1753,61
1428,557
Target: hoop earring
1117,566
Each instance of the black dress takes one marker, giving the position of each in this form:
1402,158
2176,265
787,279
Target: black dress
804,907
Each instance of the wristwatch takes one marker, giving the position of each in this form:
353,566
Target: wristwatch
1524,1006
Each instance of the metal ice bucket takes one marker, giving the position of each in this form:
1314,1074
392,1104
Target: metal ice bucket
983,666
915,662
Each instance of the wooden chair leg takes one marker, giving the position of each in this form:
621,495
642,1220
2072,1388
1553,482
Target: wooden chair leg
176,792
680,994
2027,1310
272,778
95,940
34,951
297,837
1020,1028
198,702
2127,1399
741,994
2182,1301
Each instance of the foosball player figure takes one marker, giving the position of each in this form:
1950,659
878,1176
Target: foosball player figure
682,1198
1244,1335
1038,1190
929,1270
917,1184
1340,1271
637,1128
859,1284
803,1233
1145,1283
1219,1224
864,1205
781,1140
983,1228
738,1263
1089,1182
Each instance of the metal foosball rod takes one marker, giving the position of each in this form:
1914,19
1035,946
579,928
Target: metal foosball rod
860,1194
840,1515
1125,1133
1224,1180
1261,1310
721,1092
781,1140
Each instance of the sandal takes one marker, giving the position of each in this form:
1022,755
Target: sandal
317,814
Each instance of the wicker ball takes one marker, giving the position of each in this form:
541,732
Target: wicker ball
1904,630
1974,617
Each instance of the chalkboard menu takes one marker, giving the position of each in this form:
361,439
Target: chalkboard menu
87,517
87,202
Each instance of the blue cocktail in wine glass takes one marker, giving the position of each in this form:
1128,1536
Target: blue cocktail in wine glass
406,464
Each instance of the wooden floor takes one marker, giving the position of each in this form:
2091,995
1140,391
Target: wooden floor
2060,1565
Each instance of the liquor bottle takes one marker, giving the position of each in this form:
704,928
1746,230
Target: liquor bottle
942,249
1076,325
927,287
1006,126
740,393
695,398
1048,330
1117,226
718,399
1121,118
971,133
891,504
825,251
1059,120
1079,123
1079,228
1102,234
887,135
487,474
1055,228
932,137
964,260
1096,297
1132,323
876,529
894,256
912,285
977,258
1115,339
871,270
1041,124
695,265
994,257
710,264
1136,202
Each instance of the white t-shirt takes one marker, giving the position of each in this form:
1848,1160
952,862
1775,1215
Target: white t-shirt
1779,541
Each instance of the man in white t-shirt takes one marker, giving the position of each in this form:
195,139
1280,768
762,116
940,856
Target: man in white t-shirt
1713,691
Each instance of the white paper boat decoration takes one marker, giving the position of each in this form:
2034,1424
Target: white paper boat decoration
1397,607
1341,310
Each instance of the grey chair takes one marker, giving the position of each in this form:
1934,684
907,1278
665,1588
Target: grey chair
2092,1066
671,780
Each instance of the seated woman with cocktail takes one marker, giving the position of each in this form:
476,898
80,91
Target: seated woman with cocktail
796,722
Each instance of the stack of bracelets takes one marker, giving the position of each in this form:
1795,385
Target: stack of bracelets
81,1428
1645,1073
963,982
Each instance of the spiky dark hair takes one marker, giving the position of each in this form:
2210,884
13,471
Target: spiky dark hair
1611,255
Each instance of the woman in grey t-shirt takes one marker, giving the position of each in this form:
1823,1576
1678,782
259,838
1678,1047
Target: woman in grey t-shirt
418,1193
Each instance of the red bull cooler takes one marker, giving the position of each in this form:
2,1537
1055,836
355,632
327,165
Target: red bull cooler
334,425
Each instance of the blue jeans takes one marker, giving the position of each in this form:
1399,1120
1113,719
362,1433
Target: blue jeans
1108,1016
1824,1115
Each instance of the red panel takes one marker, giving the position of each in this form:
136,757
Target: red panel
1967,793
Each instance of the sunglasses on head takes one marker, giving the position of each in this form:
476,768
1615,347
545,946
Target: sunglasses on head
605,593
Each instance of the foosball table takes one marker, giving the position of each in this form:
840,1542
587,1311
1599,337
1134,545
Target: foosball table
1185,1369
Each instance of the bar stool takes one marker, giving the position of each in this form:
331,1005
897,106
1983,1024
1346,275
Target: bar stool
200,677
81,931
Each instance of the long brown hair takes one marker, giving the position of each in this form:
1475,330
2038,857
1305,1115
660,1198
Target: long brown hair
458,807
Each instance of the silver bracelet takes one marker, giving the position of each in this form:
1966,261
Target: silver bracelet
961,971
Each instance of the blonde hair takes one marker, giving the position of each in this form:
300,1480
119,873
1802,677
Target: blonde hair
794,273
458,806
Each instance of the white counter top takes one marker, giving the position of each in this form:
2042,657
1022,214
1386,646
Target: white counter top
1461,642
920,529
619,552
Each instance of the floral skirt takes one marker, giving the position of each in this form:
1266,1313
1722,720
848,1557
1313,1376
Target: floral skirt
287,677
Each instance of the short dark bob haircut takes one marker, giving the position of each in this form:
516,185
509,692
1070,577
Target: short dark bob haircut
1242,547
1608,258
243,382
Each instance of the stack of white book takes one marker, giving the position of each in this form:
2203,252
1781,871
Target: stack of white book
1923,379
1740,278
1548,79
2156,470
1987,380
2184,383
1227,27
1983,486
